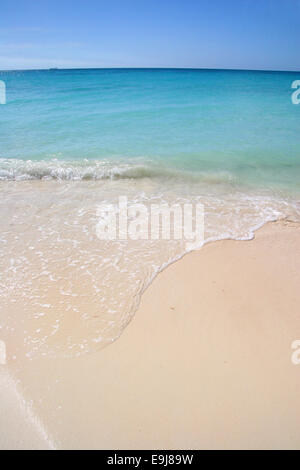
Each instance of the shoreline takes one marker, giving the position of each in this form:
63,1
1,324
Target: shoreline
20,427
198,366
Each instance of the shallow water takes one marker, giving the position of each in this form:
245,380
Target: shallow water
71,140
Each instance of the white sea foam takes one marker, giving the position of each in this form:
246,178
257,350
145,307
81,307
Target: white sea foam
22,170
64,291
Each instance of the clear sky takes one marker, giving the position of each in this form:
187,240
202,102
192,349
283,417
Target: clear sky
246,34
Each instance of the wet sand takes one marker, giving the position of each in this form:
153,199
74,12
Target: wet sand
205,363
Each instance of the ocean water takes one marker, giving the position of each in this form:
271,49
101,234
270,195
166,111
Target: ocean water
72,139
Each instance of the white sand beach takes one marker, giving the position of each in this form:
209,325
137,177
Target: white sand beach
205,363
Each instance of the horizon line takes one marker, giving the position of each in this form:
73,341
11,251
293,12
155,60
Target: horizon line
45,69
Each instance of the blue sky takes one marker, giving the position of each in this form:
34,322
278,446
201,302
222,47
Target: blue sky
245,34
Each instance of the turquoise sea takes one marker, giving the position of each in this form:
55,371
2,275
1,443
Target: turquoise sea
71,139
197,121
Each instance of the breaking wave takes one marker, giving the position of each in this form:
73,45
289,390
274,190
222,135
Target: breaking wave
22,170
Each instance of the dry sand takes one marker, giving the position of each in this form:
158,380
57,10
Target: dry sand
205,363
